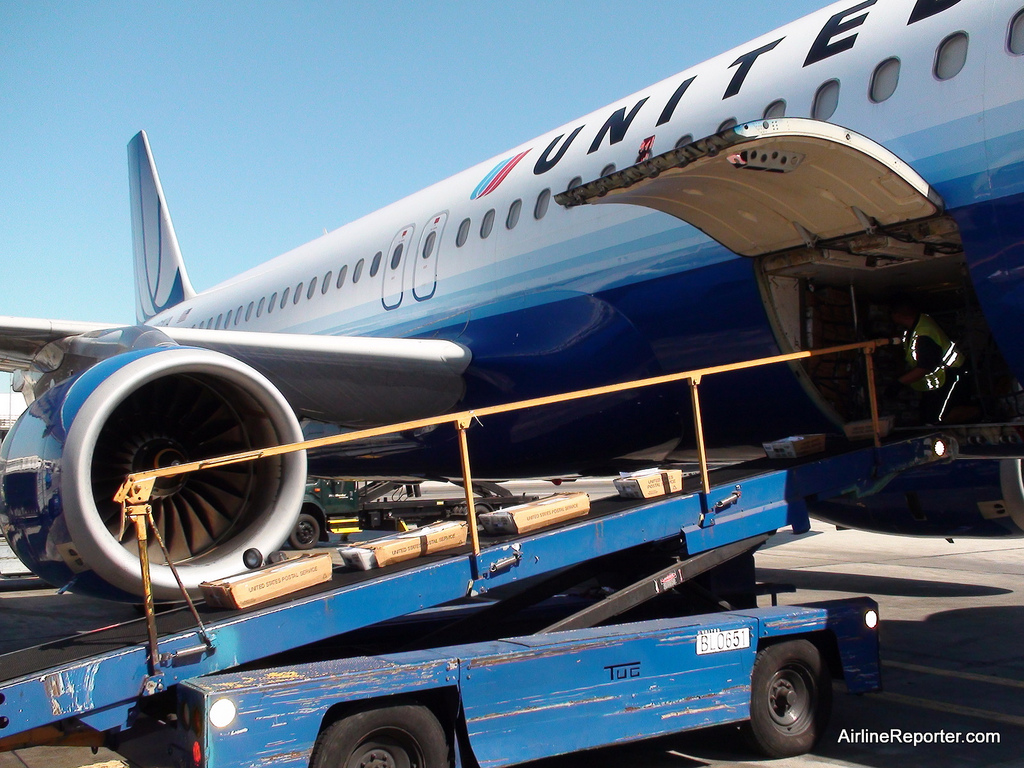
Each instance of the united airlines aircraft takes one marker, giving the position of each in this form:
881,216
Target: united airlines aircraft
774,198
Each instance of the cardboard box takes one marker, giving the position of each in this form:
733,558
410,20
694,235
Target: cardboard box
441,536
792,447
537,514
269,582
406,546
862,430
648,483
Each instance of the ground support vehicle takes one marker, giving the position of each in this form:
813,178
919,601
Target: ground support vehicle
345,507
328,506
98,684
514,700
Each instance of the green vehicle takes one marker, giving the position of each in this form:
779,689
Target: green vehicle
343,507
329,506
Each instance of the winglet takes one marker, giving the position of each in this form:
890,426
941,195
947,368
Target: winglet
160,277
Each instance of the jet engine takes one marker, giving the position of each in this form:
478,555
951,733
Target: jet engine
103,409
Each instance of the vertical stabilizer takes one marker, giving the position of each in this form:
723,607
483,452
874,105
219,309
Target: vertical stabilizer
160,277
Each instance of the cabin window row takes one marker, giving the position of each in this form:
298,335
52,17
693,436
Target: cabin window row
950,59
279,301
540,210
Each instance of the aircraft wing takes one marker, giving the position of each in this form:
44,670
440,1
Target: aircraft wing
21,338
351,380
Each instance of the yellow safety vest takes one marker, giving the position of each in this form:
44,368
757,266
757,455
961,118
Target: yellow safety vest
951,358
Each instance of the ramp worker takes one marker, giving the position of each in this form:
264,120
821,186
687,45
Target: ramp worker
935,367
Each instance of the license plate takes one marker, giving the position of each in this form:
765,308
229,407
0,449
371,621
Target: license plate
718,641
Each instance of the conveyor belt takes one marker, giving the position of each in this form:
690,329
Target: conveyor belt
32,660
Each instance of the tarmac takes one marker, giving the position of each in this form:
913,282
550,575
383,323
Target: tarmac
953,661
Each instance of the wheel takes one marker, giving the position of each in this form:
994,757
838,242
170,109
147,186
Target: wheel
392,737
306,533
790,699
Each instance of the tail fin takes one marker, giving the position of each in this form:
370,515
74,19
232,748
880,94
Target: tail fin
160,277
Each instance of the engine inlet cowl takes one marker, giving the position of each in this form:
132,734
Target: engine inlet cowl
71,450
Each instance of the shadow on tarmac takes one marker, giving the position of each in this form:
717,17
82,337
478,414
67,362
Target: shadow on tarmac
875,585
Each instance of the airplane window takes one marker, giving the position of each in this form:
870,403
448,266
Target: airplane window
684,140
1015,42
487,224
951,56
272,302
227,319
428,246
344,271
298,293
327,282
608,170
885,80
576,181
220,319
775,110
238,316
540,210
463,236
284,297
826,100
374,265
513,214
726,125
259,309
248,311
396,256
312,289
358,271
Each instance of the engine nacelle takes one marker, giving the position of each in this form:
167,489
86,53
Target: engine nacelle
69,452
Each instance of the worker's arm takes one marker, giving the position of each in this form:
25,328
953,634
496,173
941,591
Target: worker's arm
914,374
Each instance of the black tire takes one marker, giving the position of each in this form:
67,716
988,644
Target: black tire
790,699
306,533
406,736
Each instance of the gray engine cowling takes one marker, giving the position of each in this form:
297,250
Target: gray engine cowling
139,409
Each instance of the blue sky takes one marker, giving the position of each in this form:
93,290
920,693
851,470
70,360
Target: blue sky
272,121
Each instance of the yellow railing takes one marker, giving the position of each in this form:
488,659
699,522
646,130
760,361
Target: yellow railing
134,494
138,486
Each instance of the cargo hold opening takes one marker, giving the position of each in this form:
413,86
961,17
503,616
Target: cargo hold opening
837,226
821,297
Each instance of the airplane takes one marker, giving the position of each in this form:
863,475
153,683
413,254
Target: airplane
771,199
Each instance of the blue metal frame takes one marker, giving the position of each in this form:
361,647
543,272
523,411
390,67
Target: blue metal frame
103,690
529,697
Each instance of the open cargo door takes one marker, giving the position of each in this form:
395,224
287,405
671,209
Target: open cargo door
836,226
774,185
